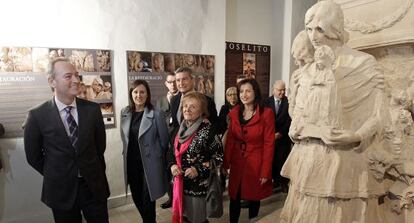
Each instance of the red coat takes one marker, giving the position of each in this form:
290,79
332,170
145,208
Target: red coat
251,160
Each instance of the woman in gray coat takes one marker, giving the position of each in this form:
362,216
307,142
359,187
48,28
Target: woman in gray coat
145,138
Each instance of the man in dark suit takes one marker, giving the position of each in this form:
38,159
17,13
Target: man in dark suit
185,83
65,141
164,105
1,130
1,134
164,102
280,106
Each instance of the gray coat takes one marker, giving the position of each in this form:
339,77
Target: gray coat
153,142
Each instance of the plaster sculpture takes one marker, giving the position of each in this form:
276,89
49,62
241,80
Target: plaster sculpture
302,52
397,163
328,167
378,23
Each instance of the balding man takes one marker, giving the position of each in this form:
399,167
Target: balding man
65,141
280,106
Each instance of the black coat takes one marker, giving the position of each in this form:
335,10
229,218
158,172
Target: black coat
50,152
282,125
205,146
223,119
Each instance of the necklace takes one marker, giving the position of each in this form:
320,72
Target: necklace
248,114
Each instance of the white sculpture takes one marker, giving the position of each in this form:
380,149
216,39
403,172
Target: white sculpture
302,52
323,106
328,166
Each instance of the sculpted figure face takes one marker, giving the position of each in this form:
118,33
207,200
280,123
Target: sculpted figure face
302,49
324,24
324,57
316,35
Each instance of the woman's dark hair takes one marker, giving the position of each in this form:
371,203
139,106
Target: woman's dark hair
135,84
257,94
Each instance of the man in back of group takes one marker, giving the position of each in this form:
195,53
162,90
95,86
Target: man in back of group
164,105
185,83
65,141
280,106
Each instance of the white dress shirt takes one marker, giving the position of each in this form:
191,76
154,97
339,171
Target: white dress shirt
61,108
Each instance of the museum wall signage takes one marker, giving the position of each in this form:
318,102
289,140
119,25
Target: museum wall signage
250,61
153,66
23,81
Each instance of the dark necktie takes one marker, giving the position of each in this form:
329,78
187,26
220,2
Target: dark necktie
73,127
277,106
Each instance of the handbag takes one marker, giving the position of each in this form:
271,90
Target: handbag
214,199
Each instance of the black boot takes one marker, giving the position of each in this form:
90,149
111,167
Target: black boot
166,204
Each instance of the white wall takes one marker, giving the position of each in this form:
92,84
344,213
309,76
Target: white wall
249,21
257,22
182,26
268,22
295,14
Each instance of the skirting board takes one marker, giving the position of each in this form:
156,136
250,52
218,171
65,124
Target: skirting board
120,200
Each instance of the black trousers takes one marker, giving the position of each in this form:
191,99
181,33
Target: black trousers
93,210
170,184
140,193
235,208
282,150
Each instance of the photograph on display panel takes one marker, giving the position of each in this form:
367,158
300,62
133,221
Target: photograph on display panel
244,60
16,59
153,67
138,61
249,65
24,84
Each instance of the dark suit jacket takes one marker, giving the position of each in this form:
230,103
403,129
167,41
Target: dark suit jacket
164,105
282,125
282,145
50,152
282,119
211,106
223,119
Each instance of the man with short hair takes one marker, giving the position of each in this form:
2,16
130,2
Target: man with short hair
65,141
185,83
164,105
280,106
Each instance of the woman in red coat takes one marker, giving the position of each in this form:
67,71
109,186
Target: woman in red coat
249,150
